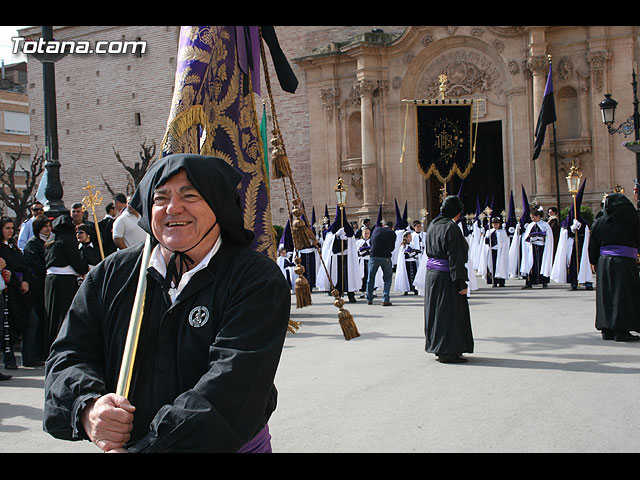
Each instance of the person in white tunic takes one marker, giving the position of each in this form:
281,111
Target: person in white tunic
340,257
495,255
537,251
363,246
574,230
407,266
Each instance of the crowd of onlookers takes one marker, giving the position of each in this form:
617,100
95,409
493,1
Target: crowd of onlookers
43,262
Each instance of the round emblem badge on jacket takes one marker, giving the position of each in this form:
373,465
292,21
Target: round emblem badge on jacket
198,316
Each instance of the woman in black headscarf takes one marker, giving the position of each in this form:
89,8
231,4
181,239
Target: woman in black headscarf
23,320
446,308
88,249
34,256
613,251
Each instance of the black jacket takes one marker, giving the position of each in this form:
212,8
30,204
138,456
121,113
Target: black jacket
383,242
61,249
196,389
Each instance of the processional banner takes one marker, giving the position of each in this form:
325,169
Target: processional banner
213,113
444,139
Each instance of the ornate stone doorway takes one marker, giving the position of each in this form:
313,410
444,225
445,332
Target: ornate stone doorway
485,180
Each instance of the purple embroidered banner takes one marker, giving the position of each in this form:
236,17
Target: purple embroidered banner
213,113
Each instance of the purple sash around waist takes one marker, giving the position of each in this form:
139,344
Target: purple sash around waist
619,251
439,264
261,443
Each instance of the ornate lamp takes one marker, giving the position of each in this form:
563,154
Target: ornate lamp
341,193
573,180
608,110
631,125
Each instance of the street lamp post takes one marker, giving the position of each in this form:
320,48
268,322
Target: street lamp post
50,185
632,124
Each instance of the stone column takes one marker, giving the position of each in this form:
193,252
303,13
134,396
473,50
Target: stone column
602,142
369,165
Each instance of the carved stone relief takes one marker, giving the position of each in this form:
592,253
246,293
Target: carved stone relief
597,62
329,98
565,68
468,73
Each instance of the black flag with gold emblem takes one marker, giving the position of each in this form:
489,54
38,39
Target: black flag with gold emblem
445,140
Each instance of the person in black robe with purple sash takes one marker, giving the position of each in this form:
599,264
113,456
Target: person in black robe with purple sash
446,308
613,251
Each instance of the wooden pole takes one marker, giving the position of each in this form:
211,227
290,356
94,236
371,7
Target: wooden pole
131,345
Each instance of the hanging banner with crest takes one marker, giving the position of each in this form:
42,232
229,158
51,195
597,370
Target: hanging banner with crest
445,139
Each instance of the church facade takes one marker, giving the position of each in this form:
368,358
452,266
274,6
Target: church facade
362,93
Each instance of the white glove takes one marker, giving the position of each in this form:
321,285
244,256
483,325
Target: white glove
341,235
576,225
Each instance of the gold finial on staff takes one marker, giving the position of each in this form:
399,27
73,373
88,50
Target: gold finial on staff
90,201
443,192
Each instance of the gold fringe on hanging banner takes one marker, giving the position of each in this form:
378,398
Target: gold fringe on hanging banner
303,289
191,117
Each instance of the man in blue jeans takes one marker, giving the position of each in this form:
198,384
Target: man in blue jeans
383,241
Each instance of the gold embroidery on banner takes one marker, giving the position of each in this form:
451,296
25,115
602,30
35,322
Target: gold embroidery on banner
210,112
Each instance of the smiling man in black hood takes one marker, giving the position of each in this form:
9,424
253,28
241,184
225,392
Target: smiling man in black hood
215,318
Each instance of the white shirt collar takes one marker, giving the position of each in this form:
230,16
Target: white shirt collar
157,261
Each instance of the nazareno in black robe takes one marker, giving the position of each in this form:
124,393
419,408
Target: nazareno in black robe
618,283
198,386
446,312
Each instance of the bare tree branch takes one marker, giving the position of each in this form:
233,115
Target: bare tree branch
147,157
14,195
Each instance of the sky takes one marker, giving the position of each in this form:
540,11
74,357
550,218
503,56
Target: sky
6,45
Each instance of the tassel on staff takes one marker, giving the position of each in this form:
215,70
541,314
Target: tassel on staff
348,325
282,169
303,289
280,161
300,232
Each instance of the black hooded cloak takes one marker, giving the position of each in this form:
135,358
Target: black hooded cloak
447,321
61,250
618,285
205,365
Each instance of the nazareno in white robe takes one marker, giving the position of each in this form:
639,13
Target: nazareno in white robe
563,257
527,250
501,269
353,280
